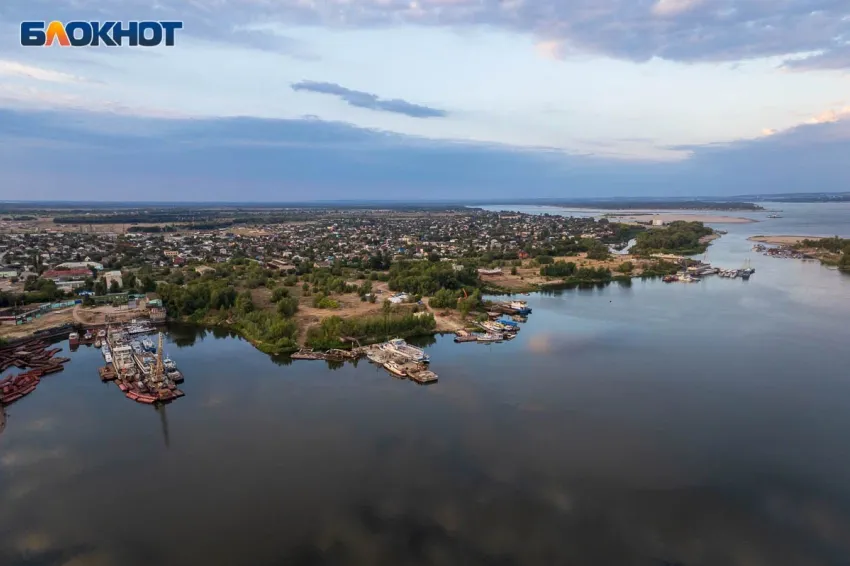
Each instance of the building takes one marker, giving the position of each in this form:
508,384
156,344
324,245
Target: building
80,265
399,298
8,273
111,276
59,275
171,253
657,222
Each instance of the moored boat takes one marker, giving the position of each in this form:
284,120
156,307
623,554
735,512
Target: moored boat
395,369
74,339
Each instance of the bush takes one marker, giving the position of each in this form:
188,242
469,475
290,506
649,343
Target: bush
279,293
287,306
625,267
325,302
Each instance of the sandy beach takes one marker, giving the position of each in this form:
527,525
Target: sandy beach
674,216
781,240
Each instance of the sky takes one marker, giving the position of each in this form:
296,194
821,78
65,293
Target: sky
293,100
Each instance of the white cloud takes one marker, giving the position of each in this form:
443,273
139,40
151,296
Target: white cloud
13,68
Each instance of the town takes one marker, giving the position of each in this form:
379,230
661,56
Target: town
297,280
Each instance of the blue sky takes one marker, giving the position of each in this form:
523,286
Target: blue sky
295,100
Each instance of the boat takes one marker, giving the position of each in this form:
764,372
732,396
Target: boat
97,343
169,364
395,369
670,278
490,338
423,377
101,333
108,358
88,335
402,348
774,216
74,339
148,345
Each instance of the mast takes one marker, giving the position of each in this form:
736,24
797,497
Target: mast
158,372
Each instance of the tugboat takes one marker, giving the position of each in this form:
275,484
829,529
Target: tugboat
73,339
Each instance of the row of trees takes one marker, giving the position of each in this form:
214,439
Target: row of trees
328,334
569,270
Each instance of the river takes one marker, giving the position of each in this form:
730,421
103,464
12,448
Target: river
651,424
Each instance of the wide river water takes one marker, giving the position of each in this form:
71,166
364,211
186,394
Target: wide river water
651,424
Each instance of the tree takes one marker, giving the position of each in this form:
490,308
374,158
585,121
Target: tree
100,287
114,287
513,270
626,267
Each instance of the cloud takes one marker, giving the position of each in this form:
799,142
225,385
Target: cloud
677,30
251,159
13,68
370,101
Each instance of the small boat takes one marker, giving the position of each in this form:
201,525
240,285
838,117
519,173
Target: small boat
101,333
424,376
169,364
97,343
148,345
108,358
88,335
395,369
490,338
74,339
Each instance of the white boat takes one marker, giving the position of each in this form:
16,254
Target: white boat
169,364
108,358
101,333
395,369
148,345
490,338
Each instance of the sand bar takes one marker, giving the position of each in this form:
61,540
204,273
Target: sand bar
782,240
674,216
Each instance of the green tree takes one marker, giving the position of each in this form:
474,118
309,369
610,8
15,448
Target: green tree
114,287
625,267
244,303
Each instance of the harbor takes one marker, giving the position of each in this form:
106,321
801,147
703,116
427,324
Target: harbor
140,368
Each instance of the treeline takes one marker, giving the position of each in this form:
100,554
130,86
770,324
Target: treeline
569,271
678,237
368,329
428,277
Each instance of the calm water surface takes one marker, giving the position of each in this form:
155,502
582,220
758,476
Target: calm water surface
702,424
